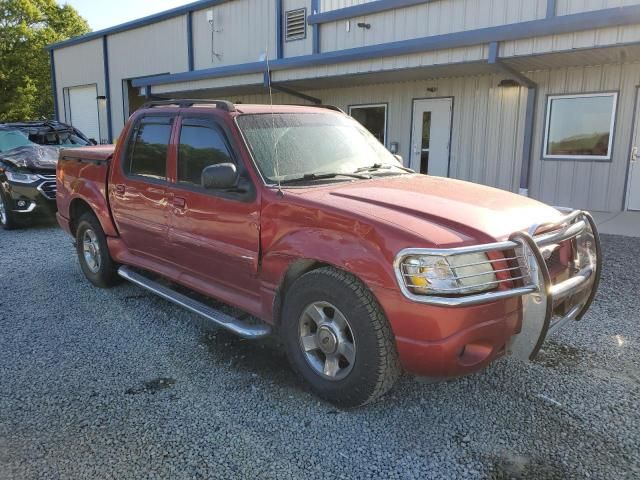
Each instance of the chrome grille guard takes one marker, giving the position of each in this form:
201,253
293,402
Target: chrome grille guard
536,287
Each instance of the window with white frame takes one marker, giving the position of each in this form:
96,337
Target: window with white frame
373,118
580,127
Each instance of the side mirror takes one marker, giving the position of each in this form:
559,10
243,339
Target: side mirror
219,177
399,159
93,141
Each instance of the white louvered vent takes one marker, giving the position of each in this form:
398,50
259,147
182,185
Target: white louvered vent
296,24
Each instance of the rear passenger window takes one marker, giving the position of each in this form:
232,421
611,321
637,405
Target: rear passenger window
147,152
200,147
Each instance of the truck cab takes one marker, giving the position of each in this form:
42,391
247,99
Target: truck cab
303,223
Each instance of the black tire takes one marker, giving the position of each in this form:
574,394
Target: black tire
8,219
103,273
375,368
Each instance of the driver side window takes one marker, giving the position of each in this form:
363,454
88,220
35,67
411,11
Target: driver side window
200,147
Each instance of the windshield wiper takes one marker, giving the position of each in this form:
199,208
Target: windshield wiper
383,166
324,176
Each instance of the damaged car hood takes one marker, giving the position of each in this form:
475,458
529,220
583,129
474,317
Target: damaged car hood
32,157
442,211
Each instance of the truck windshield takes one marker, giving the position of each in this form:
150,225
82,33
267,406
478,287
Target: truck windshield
312,145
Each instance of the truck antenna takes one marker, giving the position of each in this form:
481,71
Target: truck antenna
273,118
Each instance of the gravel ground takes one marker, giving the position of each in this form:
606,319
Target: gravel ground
120,384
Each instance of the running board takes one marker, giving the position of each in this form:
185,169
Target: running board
216,317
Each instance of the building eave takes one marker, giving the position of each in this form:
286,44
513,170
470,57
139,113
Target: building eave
611,17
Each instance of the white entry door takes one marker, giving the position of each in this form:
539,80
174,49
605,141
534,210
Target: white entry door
431,136
83,110
633,189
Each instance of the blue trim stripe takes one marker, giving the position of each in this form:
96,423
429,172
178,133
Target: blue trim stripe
54,85
107,86
362,9
315,9
279,29
534,28
151,19
190,60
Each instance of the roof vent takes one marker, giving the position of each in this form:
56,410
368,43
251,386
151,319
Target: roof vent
296,24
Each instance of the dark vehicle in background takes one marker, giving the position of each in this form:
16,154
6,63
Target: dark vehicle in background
28,158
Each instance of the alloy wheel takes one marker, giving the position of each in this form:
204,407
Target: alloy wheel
91,250
326,340
3,211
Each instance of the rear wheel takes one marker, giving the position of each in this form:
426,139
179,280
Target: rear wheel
93,253
7,217
338,339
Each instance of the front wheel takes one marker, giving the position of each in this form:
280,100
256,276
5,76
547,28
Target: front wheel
93,253
338,339
7,217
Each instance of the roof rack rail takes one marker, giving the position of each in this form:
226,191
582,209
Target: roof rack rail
319,105
184,103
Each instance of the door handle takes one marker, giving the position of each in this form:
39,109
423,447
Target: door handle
179,202
634,154
120,189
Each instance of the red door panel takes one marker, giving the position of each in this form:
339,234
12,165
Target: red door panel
214,234
138,192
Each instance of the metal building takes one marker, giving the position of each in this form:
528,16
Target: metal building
536,96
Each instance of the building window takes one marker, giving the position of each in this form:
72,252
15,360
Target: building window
295,24
373,118
580,127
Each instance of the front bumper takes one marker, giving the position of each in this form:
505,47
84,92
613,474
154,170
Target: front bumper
546,298
33,198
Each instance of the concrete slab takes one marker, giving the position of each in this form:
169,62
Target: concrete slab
618,223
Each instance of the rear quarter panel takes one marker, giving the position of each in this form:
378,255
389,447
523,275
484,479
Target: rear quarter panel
82,175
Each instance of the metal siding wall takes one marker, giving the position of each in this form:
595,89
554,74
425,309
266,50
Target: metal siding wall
247,30
579,40
566,7
296,48
429,19
327,5
487,129
80,65
592,185
150,50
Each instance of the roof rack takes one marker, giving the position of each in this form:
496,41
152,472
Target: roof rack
317,105
183,103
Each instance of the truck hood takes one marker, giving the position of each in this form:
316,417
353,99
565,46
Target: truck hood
444,212
32,157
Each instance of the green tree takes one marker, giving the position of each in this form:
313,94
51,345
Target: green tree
26,28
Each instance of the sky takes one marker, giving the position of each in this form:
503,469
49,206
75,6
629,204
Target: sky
107,13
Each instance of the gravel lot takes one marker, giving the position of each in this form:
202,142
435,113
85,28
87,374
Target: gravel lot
120,384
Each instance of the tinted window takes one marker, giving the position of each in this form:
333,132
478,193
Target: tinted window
200,147
148,149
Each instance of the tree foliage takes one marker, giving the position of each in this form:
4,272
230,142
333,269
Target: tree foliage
26,28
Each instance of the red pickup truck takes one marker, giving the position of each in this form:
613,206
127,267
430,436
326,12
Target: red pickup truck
300,218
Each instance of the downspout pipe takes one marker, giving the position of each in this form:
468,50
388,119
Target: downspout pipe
54,85
530,115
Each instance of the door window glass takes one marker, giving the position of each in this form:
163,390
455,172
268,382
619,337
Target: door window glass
200,147
147,153
580,126
426,142
373,118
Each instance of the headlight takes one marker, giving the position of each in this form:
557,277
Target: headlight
22,177
451,275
